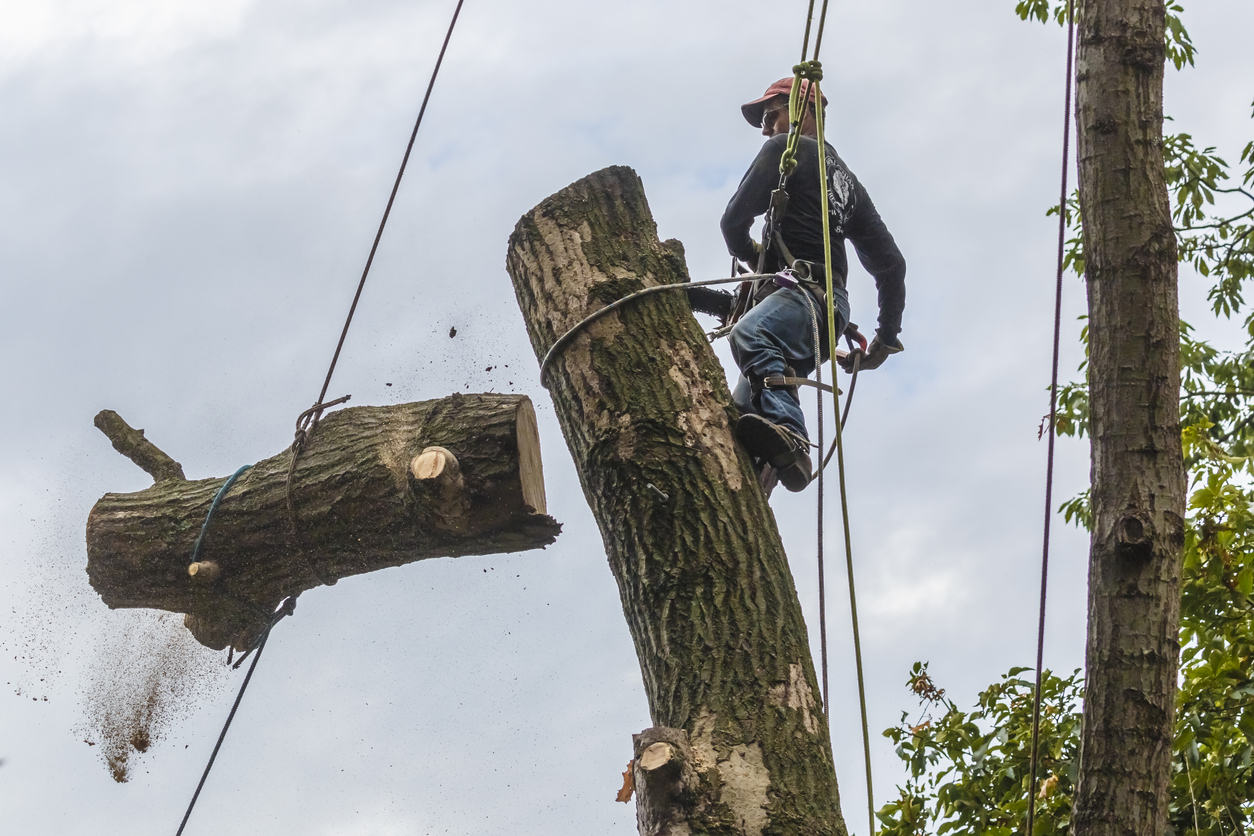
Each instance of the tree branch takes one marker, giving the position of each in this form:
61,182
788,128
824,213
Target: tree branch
131,443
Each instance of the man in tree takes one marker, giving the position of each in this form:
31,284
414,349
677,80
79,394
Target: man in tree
777,335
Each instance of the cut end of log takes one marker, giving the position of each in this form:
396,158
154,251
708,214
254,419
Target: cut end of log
205,571
530,465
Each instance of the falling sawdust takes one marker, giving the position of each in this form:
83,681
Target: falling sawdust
146,673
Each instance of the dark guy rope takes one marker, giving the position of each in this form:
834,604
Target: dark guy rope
805,41
243,687
309,418
818,44
388,210
1053,416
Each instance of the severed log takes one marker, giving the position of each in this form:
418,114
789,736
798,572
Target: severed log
373,487
702,575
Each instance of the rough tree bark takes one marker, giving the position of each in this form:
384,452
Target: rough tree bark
741,744
374,487
1138,484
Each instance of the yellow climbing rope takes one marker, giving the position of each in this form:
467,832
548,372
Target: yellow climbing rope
811,72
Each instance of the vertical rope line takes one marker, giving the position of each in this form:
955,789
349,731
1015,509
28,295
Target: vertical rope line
326,384
1053,416
805,42
822,569
818,376
840,450
818,40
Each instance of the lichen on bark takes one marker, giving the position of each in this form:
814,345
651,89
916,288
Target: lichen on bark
702,575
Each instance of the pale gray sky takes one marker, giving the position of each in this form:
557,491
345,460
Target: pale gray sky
188,193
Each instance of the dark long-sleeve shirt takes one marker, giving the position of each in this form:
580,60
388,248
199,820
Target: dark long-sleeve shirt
852,216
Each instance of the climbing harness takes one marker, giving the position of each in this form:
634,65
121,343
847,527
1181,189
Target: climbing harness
1034,757
306,423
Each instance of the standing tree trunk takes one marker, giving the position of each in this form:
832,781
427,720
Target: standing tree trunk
741,744
1138,486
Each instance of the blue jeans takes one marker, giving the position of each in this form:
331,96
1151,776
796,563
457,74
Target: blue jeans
779,332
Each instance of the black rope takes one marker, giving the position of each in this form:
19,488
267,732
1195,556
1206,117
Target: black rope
818,44
386,212
288,606
248,676
562,341
805,41
308,420
1053,415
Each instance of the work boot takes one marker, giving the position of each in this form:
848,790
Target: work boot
772,444
796,476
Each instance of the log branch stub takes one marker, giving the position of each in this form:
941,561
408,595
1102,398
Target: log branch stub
131,443
357,510
665,778
437,474
434,462
204,571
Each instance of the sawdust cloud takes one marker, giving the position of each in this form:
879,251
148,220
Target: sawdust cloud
146,673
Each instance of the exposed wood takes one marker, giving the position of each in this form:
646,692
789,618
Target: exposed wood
131,443
431,463
529,460
1138,483
438,475
204,571
666,781
358,509
703,579
656,756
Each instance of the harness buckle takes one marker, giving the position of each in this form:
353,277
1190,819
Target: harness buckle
785,278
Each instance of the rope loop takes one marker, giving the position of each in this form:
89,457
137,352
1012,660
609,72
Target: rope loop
788,162
810,70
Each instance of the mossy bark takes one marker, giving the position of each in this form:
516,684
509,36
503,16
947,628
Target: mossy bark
702,575
358,509
1138,483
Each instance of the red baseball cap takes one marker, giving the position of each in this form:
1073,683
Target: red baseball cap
754,109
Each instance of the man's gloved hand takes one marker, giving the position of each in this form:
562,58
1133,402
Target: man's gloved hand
875,355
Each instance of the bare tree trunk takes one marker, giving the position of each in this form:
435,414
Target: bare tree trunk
374,487
742,745
1138,486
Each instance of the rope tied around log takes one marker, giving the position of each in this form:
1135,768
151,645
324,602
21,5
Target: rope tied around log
213,506
306,422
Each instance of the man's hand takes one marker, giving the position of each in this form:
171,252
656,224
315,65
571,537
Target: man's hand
875,356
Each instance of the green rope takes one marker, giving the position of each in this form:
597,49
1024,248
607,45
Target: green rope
811,71
840,448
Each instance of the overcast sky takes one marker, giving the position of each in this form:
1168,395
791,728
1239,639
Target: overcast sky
187,194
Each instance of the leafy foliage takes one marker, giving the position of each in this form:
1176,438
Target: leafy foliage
967,770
